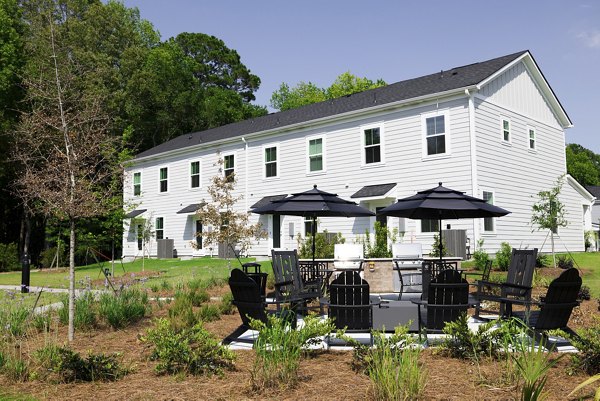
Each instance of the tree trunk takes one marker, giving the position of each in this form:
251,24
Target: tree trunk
71,334
552,243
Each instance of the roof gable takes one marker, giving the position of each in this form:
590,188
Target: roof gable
443,82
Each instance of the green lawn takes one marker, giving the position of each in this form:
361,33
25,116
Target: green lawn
29,299
172,270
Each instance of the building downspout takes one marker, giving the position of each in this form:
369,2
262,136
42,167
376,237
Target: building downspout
246,175
473,144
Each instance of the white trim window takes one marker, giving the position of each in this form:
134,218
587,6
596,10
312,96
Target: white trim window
489,225
315,148
506,130
163,179
436,134
229,165
159,228
531,138
372,142
195,174
271,153
137,183
308,224
430,226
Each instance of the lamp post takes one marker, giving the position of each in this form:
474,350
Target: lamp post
25,272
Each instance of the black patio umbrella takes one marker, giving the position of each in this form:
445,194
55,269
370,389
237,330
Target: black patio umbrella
442,203
313,203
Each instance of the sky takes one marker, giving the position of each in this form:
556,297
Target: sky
315,41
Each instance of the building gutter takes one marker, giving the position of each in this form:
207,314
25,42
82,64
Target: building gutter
246,173
473,145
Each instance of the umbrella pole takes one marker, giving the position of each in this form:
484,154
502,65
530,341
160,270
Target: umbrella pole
441,244
314,235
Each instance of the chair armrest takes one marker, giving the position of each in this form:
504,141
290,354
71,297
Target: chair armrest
282,283
517,286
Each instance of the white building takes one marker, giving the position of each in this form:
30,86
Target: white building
493,129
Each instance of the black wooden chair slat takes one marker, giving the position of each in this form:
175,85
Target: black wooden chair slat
349,303
288,278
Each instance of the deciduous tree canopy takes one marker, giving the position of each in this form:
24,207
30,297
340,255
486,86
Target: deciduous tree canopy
583,164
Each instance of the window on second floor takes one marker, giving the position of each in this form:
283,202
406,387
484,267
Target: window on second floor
163,178
435,134
271,162
488,222
315,155
506,130
228,165
195,174
159,228
137,184
372,144
531,139
430,226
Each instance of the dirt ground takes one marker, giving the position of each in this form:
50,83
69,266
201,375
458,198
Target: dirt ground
324,375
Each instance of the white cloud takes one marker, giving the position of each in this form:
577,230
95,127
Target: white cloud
590,38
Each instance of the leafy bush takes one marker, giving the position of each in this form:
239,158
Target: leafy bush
190,350
542,260
123,309
85,311
279,348
181,313
209,313
226,307
533,364
324,245
380,249
196,297
480,256
584,293
588,343
47,257
41,321
435,247
503,256
69,366
13,318
564,262
15,367
9,257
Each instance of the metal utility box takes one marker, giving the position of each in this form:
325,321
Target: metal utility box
164,248
456,242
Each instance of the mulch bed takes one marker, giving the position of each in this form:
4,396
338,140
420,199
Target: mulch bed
325,375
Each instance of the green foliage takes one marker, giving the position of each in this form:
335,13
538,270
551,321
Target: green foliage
48,256
380,249
587,383
324,245
584,293
590,237
9,257
123,309
564,262
533,364
13,319
181,313
15,367
541,260
435,247
480,256
190,350
69,366
587,342
583,164
41,321
209,313
196,296
86,316
279,348
503,256
304,93
226,307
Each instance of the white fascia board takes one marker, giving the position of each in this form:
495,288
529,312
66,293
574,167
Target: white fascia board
580,189
459,92
540,80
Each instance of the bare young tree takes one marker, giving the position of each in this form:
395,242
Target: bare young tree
62,144
228,226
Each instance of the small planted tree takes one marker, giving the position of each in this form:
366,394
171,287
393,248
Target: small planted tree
548,213
228,226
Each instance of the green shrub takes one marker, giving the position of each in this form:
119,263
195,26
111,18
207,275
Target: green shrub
584,293
480,256
42,321
166,285
47,257
380,249
181,313
15,367
533,364
13,318
123,309
503,256
324,245
226,306
85,311
542,260
9,257
279,348
564,262
209,313
190,350
69,366
195,296
587,342
435,247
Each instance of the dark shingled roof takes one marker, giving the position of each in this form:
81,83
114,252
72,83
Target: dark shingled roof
455,78
134,213
265,200
191,208
373,190
594,190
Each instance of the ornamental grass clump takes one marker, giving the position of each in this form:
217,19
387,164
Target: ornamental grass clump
533,363
85,311
279,348
125,308
191,350
13,319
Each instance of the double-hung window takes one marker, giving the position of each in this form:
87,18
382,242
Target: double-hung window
372,145
308,226
163,179
159,228
195,174
270,162
435,134
506,130
229,165
531,132
137,184
315,155
430,226
488,222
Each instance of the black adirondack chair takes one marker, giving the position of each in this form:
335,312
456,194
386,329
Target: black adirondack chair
556,307
431,269
447,299
518,284
349,303
289,286
248,299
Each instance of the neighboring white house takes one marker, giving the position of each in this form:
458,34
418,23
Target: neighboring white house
595,190
493,129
